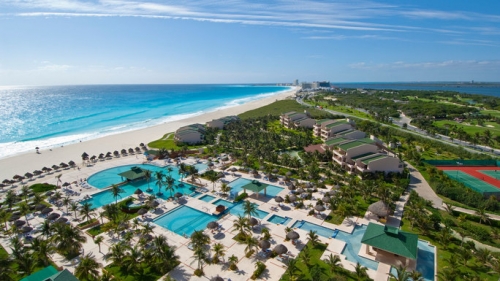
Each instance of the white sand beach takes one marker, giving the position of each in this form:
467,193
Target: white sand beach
28,162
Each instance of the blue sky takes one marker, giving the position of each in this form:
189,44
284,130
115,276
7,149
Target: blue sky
54,42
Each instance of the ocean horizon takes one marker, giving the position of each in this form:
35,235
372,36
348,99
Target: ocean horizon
53,116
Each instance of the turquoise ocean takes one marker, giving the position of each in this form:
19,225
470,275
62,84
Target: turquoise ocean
52,116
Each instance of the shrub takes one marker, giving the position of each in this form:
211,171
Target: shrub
260,268
250,253
42,187
198,272
241,196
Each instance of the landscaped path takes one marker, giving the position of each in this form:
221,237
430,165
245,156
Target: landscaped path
420,185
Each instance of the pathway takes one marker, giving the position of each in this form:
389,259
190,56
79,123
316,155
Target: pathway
420,185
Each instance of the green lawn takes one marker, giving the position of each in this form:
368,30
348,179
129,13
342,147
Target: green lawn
121,275
471,128
495,113
279,107
167,142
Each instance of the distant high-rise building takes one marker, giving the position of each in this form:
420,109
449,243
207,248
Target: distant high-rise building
296,82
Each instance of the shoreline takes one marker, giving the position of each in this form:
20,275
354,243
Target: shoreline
19,164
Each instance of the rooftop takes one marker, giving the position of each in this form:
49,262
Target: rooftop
392,240
374,158
337,123
335,141
134,173
352,144
363,155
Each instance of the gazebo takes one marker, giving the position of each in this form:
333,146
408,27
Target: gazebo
388,241
380,209
133,174
255,186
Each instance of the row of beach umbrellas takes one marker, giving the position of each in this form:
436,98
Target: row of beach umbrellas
116,153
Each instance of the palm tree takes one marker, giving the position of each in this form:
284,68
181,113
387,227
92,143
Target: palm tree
117,253
212,177
225,188
58,181
200,255
66,201
233,260
241,225
313,237
219,252
74,206
159,181
68,239
164,255
182,170
4,217
42,249
98,240
147,177
483,216
306,256
401,274
86,211
169,180
251,243
6,266
112,212
88,268
25,190
46,228
116,190
249,209
132,260
449,208
199,239
483,255
25,262
360,271
333,262
25,210
292,269
416,276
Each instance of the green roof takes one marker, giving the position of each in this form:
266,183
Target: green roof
64,275
335,141
319,122
42,274
362,155
371,159
134,173
341,122
392,240
349,145
255,186
186,132
345,132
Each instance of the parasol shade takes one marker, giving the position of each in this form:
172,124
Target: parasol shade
212,225
264,244
292,235
280,249
379,208
142,211
47,210
319,208
278,199
53,216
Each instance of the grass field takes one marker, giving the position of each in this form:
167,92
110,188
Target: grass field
471,129
279,107
494,113
167,142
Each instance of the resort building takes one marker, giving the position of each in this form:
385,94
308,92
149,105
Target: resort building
294,119
190,134
328,128
221,122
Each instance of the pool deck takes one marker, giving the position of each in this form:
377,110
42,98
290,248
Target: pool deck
246,266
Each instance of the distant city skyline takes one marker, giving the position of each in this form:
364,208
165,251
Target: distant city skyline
69,42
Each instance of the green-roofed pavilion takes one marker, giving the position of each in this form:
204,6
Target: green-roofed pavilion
391,240
255,186
42,274
134,173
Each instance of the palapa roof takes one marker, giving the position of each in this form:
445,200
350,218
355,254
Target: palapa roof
255,186
392,240
134,173
379,208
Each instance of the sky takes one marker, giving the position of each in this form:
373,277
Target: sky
64,42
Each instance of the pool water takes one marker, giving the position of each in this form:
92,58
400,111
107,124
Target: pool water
237,208
353,241
279,219
106,178
184,220
425,260
271,190
206,198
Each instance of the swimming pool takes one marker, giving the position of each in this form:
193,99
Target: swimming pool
184,220
353,241
237,208
106,178
206,198
353,245
279,219
425,260
271,190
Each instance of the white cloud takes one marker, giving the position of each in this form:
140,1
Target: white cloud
426,65
54,67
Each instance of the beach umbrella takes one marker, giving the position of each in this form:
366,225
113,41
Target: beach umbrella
278,199
28,175
123,151
141,144
288,173
217,278
2,185
116,153
280,249
325,199
39,207
178,194
264,244
210,164
45,169
72,163
142,211
332,192
61,220
131,150
275,170
66,184
300,190
93,157
26,229
48,193
85,156
155,204
15,217
19,223
147,237
212,225
109,154
244,164
292,198
137,149
6,181
17,177
291,187
37,172
319,208
55,167
63,165
233,169
262,168
253,221
292,235
138,191
53,216
379,208
101,156
46,211
220,175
